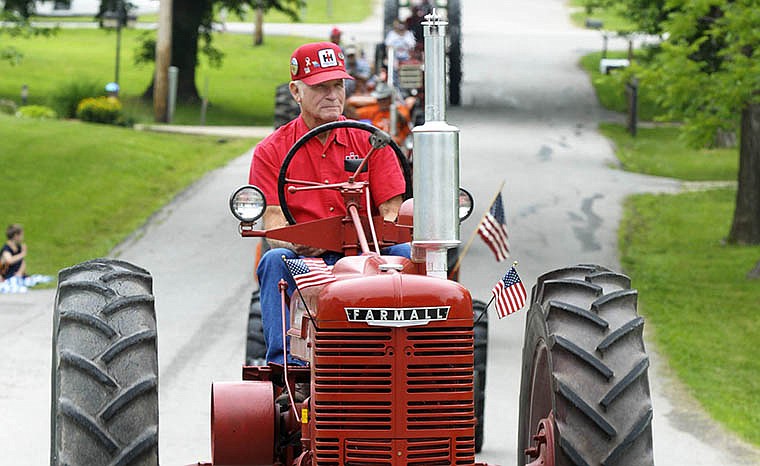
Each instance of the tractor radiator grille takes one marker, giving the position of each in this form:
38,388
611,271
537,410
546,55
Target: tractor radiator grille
390,396
387,452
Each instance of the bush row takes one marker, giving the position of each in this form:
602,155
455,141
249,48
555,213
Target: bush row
82,100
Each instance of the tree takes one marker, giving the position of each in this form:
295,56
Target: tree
192,28
707,73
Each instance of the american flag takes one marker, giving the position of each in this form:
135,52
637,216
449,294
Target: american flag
509,293
493,230
309,271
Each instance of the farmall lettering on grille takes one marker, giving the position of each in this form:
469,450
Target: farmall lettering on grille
397,317
392,352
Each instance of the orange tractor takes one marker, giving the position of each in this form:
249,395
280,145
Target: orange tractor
389,345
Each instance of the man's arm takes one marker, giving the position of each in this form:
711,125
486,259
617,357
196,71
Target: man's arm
274,218
11,259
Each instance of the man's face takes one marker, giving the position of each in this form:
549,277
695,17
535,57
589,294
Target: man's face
323,102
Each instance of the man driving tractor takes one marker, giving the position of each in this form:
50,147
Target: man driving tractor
317,72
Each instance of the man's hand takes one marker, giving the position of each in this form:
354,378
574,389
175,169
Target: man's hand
307,251
389,209
274,218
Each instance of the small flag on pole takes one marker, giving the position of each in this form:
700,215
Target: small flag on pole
310,271
509,293
493,230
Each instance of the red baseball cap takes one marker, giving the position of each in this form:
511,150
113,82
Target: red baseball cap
318,62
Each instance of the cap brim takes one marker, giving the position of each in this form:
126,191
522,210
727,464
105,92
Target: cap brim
326,76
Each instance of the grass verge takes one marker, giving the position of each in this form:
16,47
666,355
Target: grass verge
659,151
79,189
612,18
694,294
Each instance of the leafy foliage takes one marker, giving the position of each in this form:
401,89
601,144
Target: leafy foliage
39,112
99,110
66,97
708,69
15,15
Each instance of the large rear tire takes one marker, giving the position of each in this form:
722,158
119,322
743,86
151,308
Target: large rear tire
480,330
104,403
390,14
285,108
585,371
454,14
256,346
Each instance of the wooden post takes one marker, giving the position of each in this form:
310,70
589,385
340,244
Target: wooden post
163,61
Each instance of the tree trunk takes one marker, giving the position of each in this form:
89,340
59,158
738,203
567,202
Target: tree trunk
187,16
258,27
746,224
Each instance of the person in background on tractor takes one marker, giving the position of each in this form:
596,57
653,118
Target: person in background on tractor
317,72
358,67
415,20
376,109
401,40
335,35
13,253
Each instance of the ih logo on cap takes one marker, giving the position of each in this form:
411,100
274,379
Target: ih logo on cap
327,58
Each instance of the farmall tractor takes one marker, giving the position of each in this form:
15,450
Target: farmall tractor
388,346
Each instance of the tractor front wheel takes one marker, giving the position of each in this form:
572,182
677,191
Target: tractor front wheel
104,403
584,397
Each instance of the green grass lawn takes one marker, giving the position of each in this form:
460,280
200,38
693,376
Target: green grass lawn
659,151
240,93
701,309
79,189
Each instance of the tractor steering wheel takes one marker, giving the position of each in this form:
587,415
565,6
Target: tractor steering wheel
376,133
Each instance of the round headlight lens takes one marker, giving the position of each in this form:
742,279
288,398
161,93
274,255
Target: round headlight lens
466,204
247,203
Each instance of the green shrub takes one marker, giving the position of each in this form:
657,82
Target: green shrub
99,110
66,97
36,111
8,107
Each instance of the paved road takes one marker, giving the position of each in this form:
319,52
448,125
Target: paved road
529,117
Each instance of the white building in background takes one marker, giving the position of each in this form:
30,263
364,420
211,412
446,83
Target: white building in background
90,7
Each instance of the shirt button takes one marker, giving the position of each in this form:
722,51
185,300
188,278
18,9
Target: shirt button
327,181
332,209
324,156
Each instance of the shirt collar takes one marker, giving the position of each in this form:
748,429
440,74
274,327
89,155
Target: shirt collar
340,136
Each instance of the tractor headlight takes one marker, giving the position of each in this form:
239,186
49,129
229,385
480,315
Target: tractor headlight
466,204
247,204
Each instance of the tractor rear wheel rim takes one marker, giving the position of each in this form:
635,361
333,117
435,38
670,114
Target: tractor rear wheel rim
542,447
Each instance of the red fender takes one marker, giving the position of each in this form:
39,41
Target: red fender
242,423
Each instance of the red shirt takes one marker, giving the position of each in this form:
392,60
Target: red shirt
323,163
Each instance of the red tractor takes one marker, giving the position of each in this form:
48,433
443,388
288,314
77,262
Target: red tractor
389,345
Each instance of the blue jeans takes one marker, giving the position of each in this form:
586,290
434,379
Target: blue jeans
270,270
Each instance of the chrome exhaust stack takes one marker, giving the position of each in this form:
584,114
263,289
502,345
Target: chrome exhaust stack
436,162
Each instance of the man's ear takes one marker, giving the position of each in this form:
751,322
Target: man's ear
295,92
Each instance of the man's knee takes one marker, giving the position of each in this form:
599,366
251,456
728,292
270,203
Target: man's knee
272,261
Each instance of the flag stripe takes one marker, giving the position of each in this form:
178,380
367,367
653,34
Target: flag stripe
493,230
310,271
495,236
509,294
